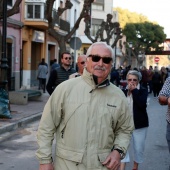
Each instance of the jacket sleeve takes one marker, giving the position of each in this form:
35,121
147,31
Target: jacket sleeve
51,82
49,123
124,127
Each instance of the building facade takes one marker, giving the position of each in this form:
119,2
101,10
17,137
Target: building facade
99,11
13,47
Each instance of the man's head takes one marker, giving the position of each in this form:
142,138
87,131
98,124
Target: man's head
66,59
99,60
81,61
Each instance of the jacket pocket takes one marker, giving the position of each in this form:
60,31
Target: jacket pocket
102,156
69,155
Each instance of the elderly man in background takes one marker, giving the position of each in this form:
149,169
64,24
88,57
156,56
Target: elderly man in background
89,117
81,61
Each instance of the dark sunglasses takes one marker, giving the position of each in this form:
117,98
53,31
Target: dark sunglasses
132,80
96,58
83,62
67,58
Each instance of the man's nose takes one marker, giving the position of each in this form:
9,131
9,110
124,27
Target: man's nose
100,62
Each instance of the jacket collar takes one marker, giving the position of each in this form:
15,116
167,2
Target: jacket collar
92,80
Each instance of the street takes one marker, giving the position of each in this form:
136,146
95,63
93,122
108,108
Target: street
18,151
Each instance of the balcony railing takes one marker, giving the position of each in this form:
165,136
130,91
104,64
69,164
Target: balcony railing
36,12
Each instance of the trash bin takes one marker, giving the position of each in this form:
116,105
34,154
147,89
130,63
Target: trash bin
4,105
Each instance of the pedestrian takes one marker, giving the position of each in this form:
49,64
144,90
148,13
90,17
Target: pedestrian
89,117
137,100
60,74
156,82
54,65
43,61
164,99
164,75
81,61
144,80
150,75
42,75
114,77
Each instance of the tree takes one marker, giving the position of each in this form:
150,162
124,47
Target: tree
144,34
107,27
125,16
63,39
12,11
111,28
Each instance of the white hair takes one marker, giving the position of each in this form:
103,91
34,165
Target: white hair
100,43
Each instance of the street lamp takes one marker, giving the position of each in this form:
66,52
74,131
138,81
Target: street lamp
4,65
5,111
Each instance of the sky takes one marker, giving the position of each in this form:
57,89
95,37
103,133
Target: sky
155,10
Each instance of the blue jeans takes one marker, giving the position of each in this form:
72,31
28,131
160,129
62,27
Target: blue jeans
168,135
139,137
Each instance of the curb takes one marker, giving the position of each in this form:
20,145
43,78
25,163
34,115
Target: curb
20,123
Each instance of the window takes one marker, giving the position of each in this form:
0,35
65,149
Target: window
9,2
95,26
34,11
98,5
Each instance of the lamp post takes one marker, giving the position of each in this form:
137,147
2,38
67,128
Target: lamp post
4,65
130,53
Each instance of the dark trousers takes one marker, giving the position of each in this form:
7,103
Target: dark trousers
156,89
42,84
150,86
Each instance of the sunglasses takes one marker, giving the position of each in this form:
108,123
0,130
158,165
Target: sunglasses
132,80
67,58
96,58
83,62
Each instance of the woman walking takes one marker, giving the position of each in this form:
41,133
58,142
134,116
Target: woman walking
137,99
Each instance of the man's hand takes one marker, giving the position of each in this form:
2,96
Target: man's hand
46,166
112,162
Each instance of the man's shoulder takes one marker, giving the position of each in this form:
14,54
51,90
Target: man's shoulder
115,90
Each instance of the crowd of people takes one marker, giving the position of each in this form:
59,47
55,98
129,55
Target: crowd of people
152,78
96,111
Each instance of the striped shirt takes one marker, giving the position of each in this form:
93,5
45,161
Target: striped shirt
165,91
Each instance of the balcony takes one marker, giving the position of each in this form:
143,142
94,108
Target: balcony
35,17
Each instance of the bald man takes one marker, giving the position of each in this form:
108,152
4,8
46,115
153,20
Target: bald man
81,62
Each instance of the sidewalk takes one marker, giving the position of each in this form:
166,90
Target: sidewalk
22,114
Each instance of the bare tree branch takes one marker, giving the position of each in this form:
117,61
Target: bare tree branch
62,39
12,11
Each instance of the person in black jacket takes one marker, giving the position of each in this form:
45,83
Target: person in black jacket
156,82
60,74
137,99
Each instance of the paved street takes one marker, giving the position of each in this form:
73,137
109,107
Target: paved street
156,152
18,151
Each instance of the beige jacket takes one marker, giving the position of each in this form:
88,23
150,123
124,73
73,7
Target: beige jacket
87,120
